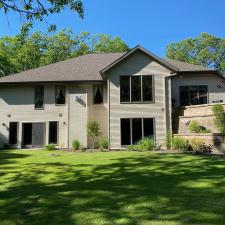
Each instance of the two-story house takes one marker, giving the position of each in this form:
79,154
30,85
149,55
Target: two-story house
130,94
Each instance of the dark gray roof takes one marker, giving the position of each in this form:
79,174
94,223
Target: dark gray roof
183,67
88,68
83,68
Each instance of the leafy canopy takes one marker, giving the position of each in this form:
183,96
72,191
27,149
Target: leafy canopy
27,51
206,50
31,10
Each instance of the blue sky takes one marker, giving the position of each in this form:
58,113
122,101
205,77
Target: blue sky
151,23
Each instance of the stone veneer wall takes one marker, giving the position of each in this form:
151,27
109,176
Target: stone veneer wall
201,113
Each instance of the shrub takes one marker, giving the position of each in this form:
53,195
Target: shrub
219,120
50,147
93,129
198,146
147,144
131,147
6,146
180,143
104,143
76,145
168,140
195,127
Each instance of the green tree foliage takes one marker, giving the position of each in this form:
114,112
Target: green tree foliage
27,51
94,131
31,10
206,50
219,120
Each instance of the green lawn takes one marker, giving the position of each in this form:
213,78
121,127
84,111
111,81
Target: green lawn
110,188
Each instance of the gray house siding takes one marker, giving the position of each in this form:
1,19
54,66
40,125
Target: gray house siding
137,64
216,86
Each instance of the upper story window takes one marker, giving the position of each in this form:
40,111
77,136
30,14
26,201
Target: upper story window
60,95
39,97
193,95
136,88
98,94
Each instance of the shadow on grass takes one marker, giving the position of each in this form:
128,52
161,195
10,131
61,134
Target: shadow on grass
164,189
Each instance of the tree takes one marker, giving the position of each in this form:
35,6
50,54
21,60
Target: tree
31,10
94,131
27,51
206,50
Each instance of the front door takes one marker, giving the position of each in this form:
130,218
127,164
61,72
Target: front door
38,132
33,135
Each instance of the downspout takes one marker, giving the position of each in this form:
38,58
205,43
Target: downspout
68,118
108,86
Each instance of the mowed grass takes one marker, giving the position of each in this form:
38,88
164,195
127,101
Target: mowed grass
108,188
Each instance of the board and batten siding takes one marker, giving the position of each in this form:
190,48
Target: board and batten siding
216,86
137,64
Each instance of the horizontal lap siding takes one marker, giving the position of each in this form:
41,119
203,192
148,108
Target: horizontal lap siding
214,93
18,102
138,64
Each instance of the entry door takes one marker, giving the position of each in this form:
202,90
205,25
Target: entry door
33,135
38,134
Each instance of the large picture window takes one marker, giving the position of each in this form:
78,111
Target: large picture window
193,95
39,97
60,95
136,88
134,129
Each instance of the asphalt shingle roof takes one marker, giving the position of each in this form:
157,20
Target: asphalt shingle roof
83,68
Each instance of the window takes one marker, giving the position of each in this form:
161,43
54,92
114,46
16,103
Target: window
98,94
135,129
193,95
125,89
39,97
60,95
136,88
147,88
53,132
13,133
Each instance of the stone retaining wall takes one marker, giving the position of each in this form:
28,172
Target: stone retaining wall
203,114
217,140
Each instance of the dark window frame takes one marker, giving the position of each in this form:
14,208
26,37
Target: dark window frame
130,90
101,86
142,128
189,88
57,142
35,97
17,133
56,87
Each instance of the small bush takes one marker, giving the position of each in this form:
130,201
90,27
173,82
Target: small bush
168,140
146,144
180,143
219,120
76,145
50,147
195,127
7,146
198,146
131,147
93,130
104,143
